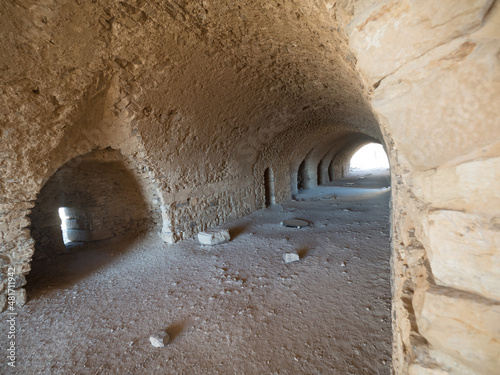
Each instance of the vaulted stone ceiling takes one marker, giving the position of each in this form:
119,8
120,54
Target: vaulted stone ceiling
190,79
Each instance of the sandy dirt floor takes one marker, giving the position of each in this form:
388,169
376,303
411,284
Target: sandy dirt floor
234,308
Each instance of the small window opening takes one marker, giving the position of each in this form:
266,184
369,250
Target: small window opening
64,224
74,227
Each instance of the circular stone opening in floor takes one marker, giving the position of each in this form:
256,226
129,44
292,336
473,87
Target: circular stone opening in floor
295,223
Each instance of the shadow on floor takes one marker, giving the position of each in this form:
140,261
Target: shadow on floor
64,270
236,231
176,329
302,253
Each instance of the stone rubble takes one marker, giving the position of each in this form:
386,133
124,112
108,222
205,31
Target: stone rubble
214,237
159,340
291,258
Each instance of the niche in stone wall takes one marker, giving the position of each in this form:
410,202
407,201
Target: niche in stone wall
331,171
319,176
301,175
91,198
269,187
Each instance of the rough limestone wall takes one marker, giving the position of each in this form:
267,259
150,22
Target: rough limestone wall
435,72
206,208
214,86
188,92
57,103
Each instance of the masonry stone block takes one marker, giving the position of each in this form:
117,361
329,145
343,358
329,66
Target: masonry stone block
465,327
464,251
469,186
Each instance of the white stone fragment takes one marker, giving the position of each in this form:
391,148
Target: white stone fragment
291,257
214,237
159,340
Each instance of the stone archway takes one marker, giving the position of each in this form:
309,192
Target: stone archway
91,198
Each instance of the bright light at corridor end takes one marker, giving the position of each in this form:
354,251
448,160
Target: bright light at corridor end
371,156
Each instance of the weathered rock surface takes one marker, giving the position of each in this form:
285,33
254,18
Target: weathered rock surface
390,34
435,76
463,252
469,186
460,325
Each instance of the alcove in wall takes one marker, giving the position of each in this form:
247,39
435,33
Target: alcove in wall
301,176
269,187
90,200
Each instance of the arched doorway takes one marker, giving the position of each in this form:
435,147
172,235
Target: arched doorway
89,200
301,175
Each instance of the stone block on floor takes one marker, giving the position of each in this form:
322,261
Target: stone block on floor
214,237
